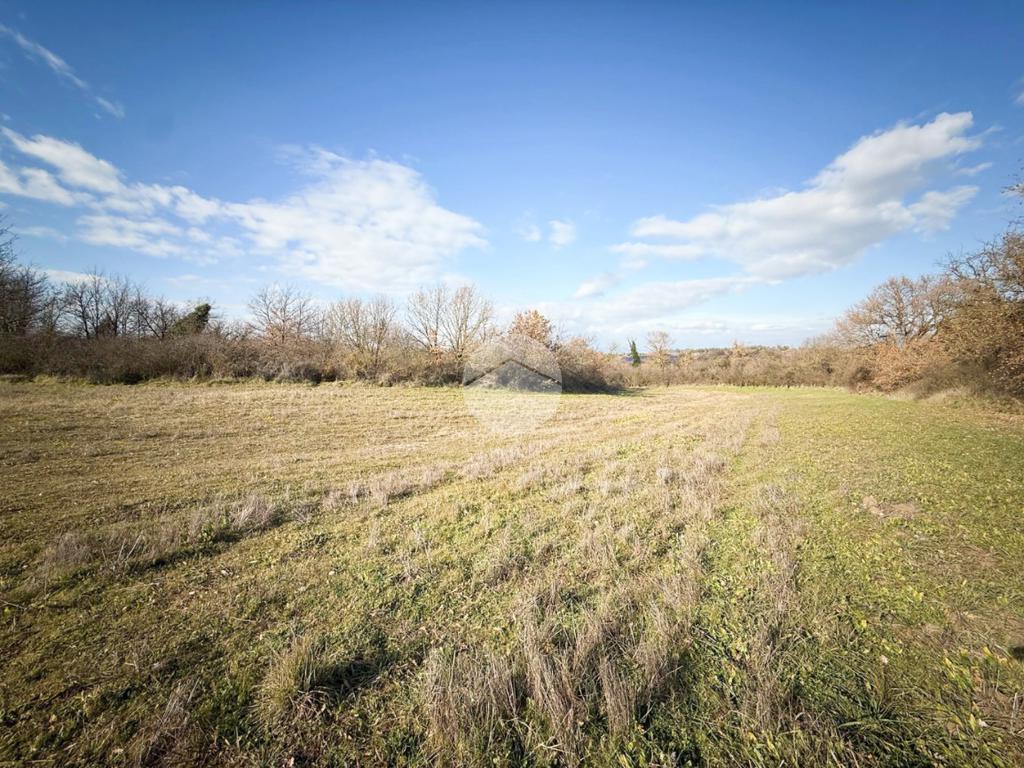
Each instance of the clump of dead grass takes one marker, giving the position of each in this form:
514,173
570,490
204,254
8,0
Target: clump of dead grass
314,672
384,488
473,701
171,737
488,464
247,515
253,513
123,547
71,550
294,687
568,675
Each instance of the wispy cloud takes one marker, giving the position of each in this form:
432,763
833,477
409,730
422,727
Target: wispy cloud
153,237
659,300
972,170
46,233
34,183
563,232
531,233
64,276
859,200
935,210
76,167
604,282
682,251
61,68
560,232
597,285
367,225
661,304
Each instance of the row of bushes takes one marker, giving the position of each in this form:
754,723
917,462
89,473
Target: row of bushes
221,354
924,365
962,327
128,360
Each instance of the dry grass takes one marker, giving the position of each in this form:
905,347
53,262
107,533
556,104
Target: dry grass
297,684
293,575
171,737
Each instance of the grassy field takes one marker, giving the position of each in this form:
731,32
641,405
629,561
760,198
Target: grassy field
284,575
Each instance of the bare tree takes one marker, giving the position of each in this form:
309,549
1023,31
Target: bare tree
988,325
101,306
156,317
440,320
659,353
283,314
466,320
27,301
425,312
659,348
364,327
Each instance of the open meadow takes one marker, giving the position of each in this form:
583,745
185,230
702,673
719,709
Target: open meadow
288,574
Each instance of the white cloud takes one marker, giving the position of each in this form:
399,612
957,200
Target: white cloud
557,232
193,207
665,299
680,251
856,202
602,283
363,225
972,170
368,225
665,305
61,68
47,233
40,185
530,233
154,237
563,232
34,183
74,165
63,276
935,210
597,285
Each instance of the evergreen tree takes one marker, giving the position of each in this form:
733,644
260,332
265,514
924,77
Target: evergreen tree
192,323
633,353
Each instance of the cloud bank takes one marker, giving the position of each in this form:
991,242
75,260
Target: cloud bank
362,225
876,189
860,199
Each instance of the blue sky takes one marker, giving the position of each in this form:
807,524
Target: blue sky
724,172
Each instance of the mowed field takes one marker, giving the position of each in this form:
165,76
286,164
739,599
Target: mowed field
257,574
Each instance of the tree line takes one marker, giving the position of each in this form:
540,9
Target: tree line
960,327
107,329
